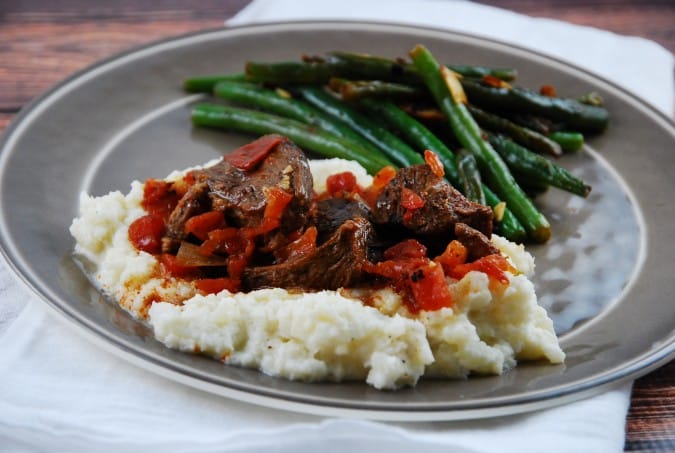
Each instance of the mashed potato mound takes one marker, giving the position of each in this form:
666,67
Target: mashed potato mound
326,335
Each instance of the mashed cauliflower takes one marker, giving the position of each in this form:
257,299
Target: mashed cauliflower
326,335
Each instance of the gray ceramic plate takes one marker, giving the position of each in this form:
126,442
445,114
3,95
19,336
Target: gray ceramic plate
606,277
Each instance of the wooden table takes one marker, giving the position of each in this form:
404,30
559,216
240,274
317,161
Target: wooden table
44,41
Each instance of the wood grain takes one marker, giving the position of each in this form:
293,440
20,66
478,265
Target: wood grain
42,42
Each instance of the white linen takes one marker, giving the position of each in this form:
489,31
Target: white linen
60,393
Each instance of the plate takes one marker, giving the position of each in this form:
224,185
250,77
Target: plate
605,277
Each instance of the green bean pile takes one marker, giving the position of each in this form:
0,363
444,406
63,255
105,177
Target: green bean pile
381,112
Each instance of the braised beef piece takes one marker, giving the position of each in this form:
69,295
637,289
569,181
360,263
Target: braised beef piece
477,244
334,264
329,214
443,207
241,194
195,201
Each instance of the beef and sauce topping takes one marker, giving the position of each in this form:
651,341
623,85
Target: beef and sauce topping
252,221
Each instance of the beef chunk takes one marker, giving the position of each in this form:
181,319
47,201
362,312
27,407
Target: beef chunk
477,244
195,201
336,263
241,194
330,213
443,206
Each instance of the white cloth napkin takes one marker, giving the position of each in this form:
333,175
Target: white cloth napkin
60,393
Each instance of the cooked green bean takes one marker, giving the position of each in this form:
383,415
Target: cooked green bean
536,168
392,146
272,102
305,136
470,176
569,141
577,115
520,134
406,71
351,90
468,133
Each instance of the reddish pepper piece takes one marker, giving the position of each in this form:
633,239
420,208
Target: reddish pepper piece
429,288
409,248
250,155
341,183
145,233
200,225
548,91
432,160
410,200
380,180
454,255
172,266
495,266
159,198
302,246
222,240
277,200
216,285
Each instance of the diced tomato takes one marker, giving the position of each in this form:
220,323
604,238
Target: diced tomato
250,155
216,285
429,288
495,266
200,225
410,200
496,82
277,200
174,268
145,233
237,263
432,160
548,90
222,240
341,183
395,269
409,248
454,255
302,246
380,180
159,198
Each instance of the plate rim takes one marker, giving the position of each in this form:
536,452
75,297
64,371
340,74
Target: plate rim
640,365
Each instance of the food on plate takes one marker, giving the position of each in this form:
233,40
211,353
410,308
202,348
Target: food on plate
317,270
395,109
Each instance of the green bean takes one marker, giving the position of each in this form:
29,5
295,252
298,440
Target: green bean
471,180
393,147
205,84
305,136
293,72
507,224
478,72
575,114
467,132
351,90
569,141
419,136
536,168
353,66
406,71
520,134
416,134
272,102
